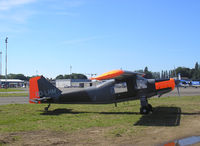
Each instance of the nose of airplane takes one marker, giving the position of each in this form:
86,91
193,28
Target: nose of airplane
164,84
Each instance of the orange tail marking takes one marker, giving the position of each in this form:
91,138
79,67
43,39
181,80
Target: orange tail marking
165,84
33,89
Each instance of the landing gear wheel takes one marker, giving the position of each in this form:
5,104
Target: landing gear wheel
46,108
144,110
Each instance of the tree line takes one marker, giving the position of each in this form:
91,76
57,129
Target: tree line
72,76
190,73
26,78
16,76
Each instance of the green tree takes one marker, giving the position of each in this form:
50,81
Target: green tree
60,77
162,74
17,76
185,72
72,76
196,72
196,66
140,71
156,75
148,74
21,77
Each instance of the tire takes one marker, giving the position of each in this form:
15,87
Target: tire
46,109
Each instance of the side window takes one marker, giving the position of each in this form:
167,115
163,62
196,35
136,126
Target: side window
141,83
120,87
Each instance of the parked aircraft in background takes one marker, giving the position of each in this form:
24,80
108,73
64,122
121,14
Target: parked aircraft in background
189,83
138,87
195,84
184,83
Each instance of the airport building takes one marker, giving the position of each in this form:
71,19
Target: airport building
68,83
11,83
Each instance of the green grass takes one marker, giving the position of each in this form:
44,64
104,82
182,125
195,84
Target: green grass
29,117
14,94
10,90
120,120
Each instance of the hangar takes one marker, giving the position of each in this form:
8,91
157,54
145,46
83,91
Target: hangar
11,83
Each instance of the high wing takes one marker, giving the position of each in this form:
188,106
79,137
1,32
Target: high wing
118,75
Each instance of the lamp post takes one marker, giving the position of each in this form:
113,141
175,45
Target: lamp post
70,75
1,62
6,41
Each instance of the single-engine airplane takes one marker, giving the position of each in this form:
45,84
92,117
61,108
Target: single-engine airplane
138,87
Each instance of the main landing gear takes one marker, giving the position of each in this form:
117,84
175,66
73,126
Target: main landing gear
46,108
145,107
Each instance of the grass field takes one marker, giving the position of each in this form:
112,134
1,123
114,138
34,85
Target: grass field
120,121
29,117
13,92
10,90
14,95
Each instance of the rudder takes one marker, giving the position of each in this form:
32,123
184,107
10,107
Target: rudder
40,89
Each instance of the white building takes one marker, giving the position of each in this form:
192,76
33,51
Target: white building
11,83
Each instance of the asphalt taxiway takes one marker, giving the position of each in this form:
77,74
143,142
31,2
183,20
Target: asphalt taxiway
13,100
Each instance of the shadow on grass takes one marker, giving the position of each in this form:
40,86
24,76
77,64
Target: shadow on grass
60,111
161,116
70,111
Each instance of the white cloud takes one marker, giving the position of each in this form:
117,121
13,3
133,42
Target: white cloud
9,4
11,29
20,16
64,4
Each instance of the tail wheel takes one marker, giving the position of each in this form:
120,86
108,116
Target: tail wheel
47,108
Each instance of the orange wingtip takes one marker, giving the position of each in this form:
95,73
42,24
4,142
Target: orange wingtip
109,75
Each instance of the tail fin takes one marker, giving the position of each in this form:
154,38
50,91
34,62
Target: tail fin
40,89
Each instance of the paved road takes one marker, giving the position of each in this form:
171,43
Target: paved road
23,100
13,100
184,92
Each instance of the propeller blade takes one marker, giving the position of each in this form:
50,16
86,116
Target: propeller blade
177,85
178,90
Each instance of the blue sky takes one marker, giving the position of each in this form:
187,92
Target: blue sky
96,36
